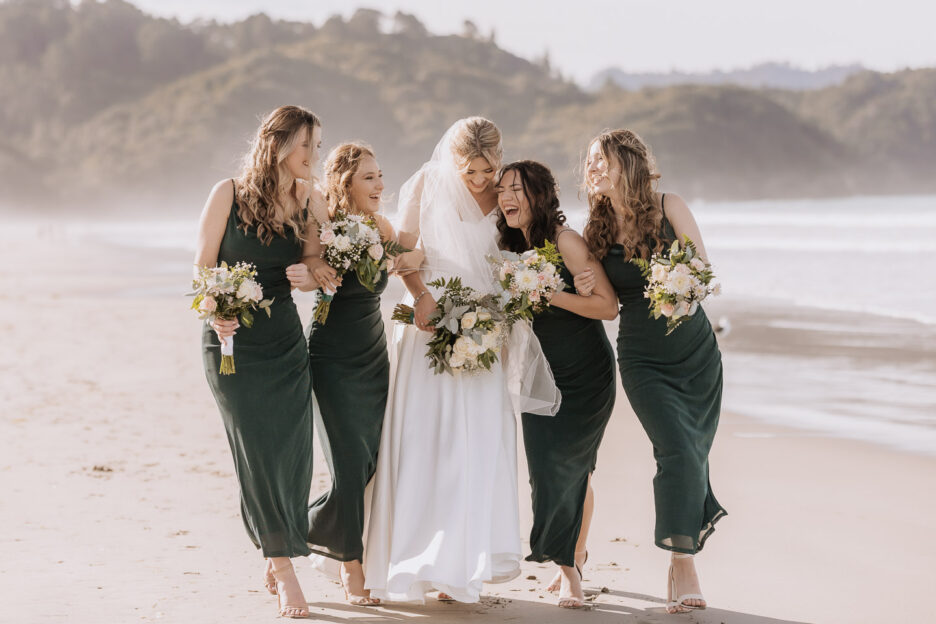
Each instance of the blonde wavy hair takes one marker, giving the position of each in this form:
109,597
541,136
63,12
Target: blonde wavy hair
340,166
258,186
477,137
634,191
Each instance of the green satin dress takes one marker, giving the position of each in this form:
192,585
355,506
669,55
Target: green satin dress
562,450
674,385
265,405
351,379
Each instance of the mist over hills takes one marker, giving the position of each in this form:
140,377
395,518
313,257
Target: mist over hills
763,75
105,104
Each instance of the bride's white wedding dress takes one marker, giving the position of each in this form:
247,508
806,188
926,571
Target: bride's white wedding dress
444,514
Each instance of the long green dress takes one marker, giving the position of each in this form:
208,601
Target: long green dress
265,405
674,384
562,450
350,378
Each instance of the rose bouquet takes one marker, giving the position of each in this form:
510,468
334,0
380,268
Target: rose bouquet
469,329
227,293
529,279
353,242
677,282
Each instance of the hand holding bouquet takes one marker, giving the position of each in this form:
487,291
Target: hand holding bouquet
353,242
469,329
677,282
227,293
530,280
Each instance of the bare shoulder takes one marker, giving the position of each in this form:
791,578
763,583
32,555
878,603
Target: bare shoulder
675,206
220,198
571,244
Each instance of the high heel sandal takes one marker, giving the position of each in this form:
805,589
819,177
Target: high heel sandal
269,581
577,603
553,587
675,603
357,600
287,610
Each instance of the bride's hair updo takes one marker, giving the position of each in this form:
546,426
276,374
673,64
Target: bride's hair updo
477,137
340,166
633,188
258,187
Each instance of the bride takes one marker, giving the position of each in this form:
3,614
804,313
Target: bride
444,514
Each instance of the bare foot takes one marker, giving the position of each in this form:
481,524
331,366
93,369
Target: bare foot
292,604
352,580
571,595
686,582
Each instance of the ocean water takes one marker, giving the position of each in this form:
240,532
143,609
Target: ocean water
830,304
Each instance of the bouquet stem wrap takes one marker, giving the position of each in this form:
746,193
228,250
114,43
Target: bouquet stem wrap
324,305
227,356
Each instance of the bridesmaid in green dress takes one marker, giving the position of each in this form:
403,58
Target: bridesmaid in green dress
562,450
350,375
673,383
261,218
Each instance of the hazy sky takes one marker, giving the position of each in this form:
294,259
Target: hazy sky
585,36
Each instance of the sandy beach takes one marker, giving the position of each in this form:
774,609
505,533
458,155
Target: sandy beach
120,504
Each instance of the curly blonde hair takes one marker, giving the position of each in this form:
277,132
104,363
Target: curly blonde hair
477,137
340,166
634,191
258,186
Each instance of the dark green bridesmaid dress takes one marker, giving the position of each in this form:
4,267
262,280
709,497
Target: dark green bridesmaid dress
562,450
674,385
350,378
265,405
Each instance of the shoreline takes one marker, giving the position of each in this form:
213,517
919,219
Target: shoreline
122,502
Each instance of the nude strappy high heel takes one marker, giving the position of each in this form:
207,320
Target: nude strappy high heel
287,610
675,602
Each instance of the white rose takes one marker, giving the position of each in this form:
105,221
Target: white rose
549,269
376,251
469,320
342,243
462,347
681,269
327,237
697,264
667,309
484,315
456,360
681,310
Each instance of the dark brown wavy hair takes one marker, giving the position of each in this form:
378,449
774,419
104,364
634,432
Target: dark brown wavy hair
542,195
340,166
258,187
633,190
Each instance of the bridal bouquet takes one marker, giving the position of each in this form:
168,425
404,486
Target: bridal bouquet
677,281
226,293
353,242
469,329
530,279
